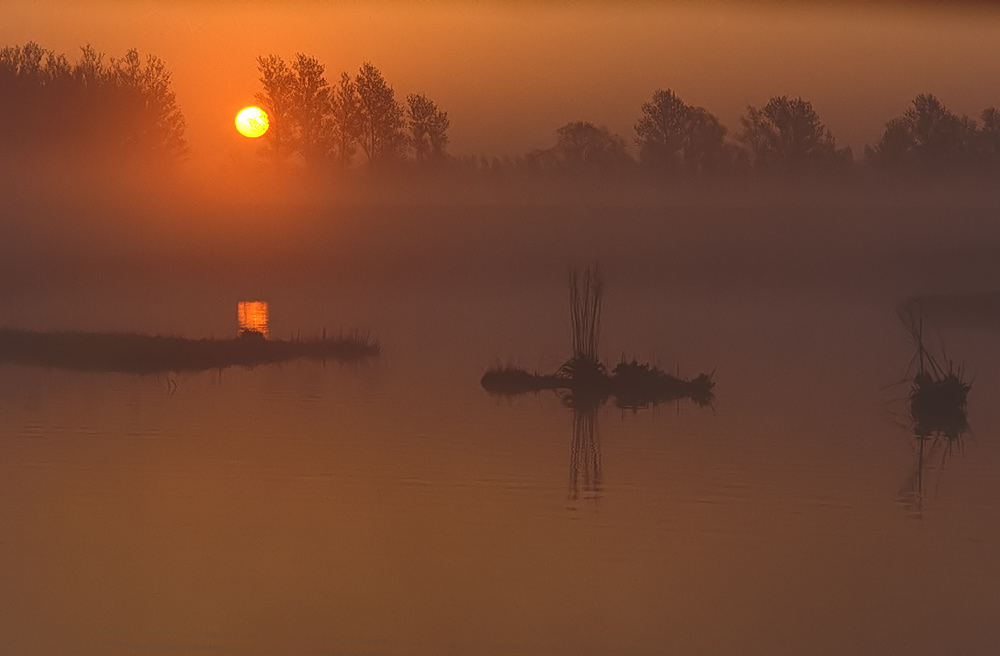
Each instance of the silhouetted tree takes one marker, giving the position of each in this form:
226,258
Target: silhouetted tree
298,100
89,71
990,136
672,134
428,128
929,136
158,124
755,134
51,106
705,148
277,99
787,135
662,130
585,147
381,133
936,134
311,108
345,120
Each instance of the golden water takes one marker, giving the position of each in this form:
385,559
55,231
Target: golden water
253,316
396,509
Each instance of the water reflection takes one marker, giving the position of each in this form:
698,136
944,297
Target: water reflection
585,455
253,318
932,456
584,383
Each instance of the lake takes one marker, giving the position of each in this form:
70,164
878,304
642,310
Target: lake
393,507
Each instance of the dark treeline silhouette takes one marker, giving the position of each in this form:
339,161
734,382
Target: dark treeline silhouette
328,124
98,106
672,134
675,139
929,137
93,107
785,137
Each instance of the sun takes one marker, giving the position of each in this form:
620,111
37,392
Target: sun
252,122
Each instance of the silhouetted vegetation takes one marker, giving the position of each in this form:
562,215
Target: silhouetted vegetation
112,107
326,124
672,134
929,137
937,404
296,98
938,393
583,379
581,148
786,135
144,354
428,128
92,108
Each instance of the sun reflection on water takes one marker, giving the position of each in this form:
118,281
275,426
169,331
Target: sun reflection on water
252,317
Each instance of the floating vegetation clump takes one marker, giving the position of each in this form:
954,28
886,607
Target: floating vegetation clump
938,394
509,380
583,380
937,405
640,385
937,402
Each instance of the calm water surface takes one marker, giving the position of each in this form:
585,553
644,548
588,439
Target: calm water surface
394,508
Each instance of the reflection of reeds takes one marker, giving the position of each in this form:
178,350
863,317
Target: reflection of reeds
932,449
145,354
585,455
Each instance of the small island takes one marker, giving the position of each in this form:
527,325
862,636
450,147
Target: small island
151,354
584,380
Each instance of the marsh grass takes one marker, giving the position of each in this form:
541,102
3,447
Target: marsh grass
148,354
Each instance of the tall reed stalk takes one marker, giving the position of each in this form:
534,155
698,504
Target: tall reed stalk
585,296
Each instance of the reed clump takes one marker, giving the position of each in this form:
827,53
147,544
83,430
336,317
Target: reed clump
583,379
938,394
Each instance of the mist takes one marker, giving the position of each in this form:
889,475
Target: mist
163,230
547,328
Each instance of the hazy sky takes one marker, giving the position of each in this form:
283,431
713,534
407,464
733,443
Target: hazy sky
510,73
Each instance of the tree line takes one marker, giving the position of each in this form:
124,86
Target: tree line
331,124
117,106
784,136
127,106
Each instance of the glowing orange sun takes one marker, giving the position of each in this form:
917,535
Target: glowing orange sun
252,122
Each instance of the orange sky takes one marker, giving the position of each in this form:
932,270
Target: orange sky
510,73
